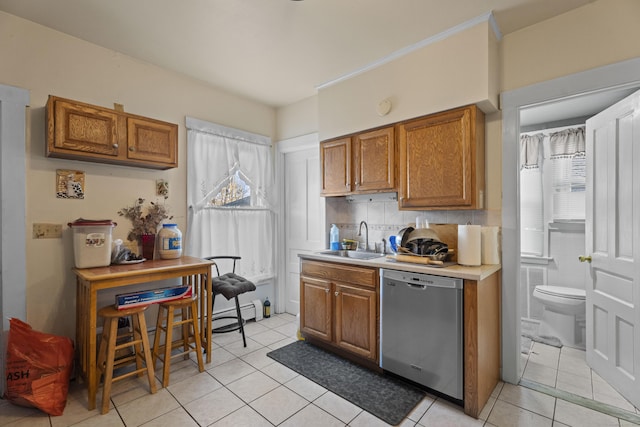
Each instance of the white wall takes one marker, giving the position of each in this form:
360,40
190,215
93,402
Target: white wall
46,62
600,33
458,70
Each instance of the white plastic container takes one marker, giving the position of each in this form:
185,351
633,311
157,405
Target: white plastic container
170,238
334,238
92,242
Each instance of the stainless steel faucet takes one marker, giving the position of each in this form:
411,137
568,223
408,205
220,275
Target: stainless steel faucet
366,237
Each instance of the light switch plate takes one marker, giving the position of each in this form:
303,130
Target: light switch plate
47,231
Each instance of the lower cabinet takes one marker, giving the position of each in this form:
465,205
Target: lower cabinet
339,305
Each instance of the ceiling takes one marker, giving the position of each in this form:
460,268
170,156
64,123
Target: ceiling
273,51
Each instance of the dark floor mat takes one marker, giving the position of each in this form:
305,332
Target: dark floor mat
386,397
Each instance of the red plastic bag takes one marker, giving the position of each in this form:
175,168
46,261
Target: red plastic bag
38,368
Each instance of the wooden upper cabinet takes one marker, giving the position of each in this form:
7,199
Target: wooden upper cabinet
442,161
80,131
335,162
374,160
81,128
364,162
152,140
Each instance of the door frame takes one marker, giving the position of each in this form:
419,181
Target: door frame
610,77
14,111
13,114
298,143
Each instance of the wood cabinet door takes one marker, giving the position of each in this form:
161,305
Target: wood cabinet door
335,161
82,129
356,320
438,161
374,160
152,141
316,312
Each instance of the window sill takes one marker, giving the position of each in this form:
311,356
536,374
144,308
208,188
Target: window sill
534,259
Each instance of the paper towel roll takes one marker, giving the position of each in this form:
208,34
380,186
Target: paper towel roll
469,245
490,245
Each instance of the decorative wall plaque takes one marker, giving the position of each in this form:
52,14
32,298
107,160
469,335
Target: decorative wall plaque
69,184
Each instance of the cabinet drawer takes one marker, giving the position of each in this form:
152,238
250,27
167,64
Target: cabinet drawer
343,273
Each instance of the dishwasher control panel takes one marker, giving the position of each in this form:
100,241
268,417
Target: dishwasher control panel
394,276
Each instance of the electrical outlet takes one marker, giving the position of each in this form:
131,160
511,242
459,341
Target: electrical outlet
47,231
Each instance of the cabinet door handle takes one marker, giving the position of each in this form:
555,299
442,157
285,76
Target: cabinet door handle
132,148
583,258
337,293
327,290
115,145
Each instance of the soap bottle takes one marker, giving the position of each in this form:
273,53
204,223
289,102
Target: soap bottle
267,308
335,238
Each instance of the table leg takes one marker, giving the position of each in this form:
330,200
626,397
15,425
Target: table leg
92,381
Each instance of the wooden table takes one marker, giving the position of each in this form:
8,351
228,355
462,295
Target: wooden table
193,271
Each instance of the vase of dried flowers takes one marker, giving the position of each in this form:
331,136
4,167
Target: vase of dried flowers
145,223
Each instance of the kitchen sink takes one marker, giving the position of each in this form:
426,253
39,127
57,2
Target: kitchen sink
353,254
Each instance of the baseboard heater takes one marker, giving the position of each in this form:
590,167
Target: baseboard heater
249,311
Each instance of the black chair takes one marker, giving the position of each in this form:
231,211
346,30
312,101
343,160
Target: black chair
230,285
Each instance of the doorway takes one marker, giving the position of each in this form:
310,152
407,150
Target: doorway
553,281
303,211
590,91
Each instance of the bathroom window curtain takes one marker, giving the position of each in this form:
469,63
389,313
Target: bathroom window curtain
567,154
231,197
531,200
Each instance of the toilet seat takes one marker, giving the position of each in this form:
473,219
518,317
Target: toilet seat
561,299
561,292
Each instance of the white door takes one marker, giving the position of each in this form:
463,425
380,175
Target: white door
613,243
303,217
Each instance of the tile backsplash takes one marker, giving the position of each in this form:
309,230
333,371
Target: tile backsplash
383,217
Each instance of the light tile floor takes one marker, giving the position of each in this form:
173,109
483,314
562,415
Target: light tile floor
244,387
565,369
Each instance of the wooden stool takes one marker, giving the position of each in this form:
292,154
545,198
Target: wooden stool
190,340
109,345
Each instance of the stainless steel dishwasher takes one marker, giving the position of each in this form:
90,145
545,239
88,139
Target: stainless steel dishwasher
421,336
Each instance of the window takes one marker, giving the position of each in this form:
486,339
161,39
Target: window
552,183
567,149
230,197
235,192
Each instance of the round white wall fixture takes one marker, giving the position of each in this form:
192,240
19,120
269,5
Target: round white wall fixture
383,107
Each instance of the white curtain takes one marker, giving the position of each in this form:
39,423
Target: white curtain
531,196
215,153
530,150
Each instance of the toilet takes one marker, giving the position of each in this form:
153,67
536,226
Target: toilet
564,314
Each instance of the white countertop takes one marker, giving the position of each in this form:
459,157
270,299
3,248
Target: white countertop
457,271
